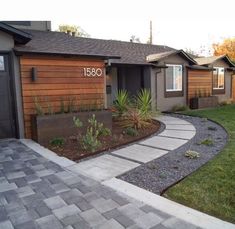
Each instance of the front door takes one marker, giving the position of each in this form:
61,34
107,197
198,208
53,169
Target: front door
233,88
7,127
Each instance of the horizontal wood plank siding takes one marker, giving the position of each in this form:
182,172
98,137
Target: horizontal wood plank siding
59,78
199,80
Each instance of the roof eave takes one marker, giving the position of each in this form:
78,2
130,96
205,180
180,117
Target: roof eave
20,36
22,52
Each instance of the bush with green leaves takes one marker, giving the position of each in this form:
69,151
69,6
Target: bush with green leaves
192,154
90,141
121,103
131,132
143,103
57,142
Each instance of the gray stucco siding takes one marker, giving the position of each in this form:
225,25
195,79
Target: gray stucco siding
167,103
228,81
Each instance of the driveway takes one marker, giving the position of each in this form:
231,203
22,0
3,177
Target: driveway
37,193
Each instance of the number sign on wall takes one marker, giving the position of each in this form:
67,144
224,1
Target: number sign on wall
92,72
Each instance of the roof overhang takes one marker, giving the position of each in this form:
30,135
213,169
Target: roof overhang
199,67
17,52
160,56
20,37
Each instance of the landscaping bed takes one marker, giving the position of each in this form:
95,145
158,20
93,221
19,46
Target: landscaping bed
160,174
72,150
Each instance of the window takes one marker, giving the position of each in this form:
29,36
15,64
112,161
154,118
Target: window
2,66
174,78
218,78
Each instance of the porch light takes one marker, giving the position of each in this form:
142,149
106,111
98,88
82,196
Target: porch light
34,74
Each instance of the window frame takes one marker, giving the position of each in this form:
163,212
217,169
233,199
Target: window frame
218,90
174,92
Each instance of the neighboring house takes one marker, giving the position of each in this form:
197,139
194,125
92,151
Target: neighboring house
39,64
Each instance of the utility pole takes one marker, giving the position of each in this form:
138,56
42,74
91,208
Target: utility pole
151,34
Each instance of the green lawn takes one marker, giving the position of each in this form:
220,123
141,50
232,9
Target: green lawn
211,189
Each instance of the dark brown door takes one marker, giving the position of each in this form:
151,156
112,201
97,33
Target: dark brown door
7,127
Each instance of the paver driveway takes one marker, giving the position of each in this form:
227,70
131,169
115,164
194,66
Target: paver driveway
37,193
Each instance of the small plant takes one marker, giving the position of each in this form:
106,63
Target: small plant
95,129
192,154
71,105
177,108
57,142
49,107
77,122
143,101
38,107
121,103
212,128
134,118
131,132
207,142
204,119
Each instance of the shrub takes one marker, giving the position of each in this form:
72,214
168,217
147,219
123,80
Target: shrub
95,129
143,101
207,142
131,131
134,118
57,142
121,103
77,122
192,154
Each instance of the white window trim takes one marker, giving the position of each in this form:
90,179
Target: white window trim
219,88
175,65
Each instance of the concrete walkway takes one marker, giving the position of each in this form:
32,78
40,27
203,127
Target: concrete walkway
108,166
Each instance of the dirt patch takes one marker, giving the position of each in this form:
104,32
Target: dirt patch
73,150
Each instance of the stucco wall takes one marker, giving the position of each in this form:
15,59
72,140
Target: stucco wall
228,81
164,103
6,42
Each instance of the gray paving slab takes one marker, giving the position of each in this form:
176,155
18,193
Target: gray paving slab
164,142
180,127
103,167
140,153
182,134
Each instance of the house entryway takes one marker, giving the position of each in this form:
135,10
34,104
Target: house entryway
7,126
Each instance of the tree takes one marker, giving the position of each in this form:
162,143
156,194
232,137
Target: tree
135,39
79,32
225,47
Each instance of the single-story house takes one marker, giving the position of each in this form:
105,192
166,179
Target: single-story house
38,64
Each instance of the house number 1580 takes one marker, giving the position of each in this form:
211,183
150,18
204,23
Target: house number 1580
92,72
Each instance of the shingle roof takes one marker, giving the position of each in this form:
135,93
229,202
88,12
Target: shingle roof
211,59
160,56
48,42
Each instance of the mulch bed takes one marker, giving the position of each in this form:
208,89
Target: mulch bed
73,150
160,174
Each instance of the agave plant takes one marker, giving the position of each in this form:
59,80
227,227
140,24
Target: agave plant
121,103
143,101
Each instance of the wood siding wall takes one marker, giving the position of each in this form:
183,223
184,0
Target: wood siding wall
199,80
59,78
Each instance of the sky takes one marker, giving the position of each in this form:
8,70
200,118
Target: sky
181,24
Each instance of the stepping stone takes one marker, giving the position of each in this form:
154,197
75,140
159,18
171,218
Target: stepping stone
178,134
140,153
164,142
171,120
103,167
179,127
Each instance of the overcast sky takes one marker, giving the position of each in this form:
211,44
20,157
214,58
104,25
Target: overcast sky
176,23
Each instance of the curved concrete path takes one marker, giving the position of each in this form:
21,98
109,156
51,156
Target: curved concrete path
107,166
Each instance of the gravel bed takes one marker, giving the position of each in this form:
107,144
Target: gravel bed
161,173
